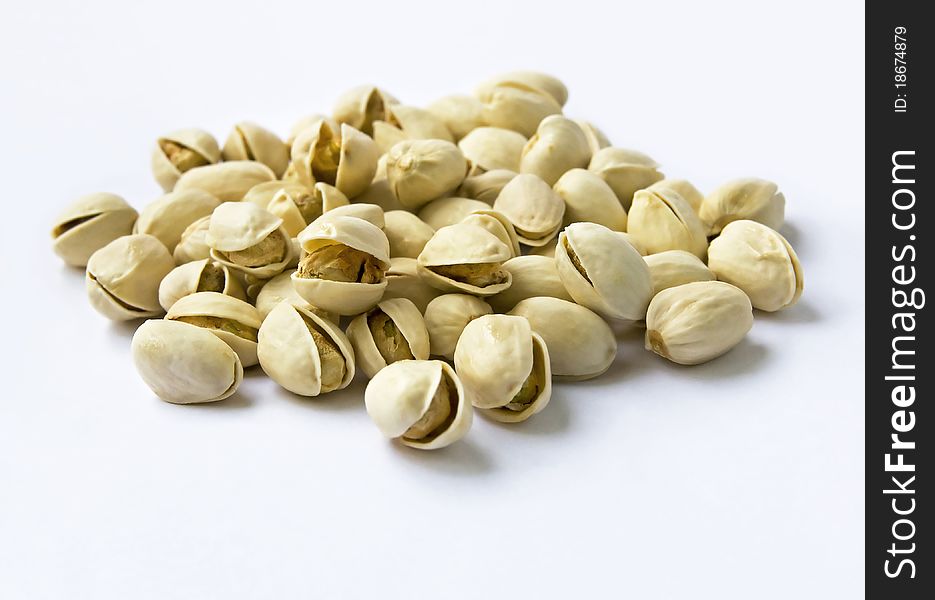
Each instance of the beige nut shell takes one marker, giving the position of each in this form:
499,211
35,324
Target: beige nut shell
249,141
493,148
588,198
197,140
662,220
532,276
407,233
122,279
222,306
496,223
228,181
371,213
676,267
448,211
236,226
192,245
485,186
625,171
459,112
516,105
420,171
184,279
558,145
446,317
596,138
535,210
407,318
460,244
361,105
90,223
549,84
283,205
403,281
408,123
683,188
743,199
280,289
169,216
357,160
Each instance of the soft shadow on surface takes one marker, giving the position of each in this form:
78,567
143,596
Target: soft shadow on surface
743,359
124,329
348,399
461,458
794,236
800,312
554,418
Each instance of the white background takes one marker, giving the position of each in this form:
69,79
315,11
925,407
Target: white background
737,479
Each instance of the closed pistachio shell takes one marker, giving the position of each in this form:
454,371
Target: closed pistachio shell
596,138
588,198
393,330
359,107
406,233
448,211
310,121
90,223
493,148
123,277
298,209
557,146
751,199
303,352
662,220
542,81
465,258
516,106
676,267
535,210
408,123
581,344
446,317
232,320
228,181
346,159
249,239
760,262
420,171
532,276
262,193
496,223
184,364
280,289
683,188
181,151
485,186
403,281
505,367
625,171
371,213
693,323
459,112
249,141
633,242
202,275
192,245
419,403
381,194
170,215
603,272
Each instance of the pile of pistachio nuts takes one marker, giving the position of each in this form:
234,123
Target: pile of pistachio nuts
460,256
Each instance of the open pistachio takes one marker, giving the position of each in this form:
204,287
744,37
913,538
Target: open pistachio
446,317
408,123
498,224
420,171
532,276
406,233
485,186
420,403
192,245
662,220
184,364
696,322
90,223
227,181
344,265
345,158
625,171
280,289
169,216
516,106
751,198
633,242
675,267
393,330
303,352
760,262
309,121
299,209
596,138
448,211
557,146
581,344
123,277
202,275
181,151
249,239
505,367
361,106
588,198
371,213
249,141
465,258
535,210
459,112
234,321
683,188
492,148
603,272
541,81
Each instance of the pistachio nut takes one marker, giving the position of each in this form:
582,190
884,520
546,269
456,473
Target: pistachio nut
169,216
203,275
262,193
123,277
361,106
676,267
234,321
406,233
343,267
662,220
485,186
588,198
192,245
391,331
532,276
496,223
309,121
280,289
625,171
581,344
603,272
448,211
547,250
249,239
371,213
420,403
459,112
227,181
541,81
345,158
420,171
181,151
249,141
303,352
465,258
492,148
596,138
683,188
299,209
403,281
750,198
695,322
184,364
516,106
557,146
505,367
90,223
760,262
446,317
535,210
381,194
408,123
633,242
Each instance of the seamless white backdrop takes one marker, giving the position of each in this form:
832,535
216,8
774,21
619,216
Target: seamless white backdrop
742,478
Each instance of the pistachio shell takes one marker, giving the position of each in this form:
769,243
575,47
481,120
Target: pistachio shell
359,107
310,121
123,277
588,198
633,242
662,220
192,245
170,215
403,281
295,209
262,193
515,105
493,148
406,233
750,198
496,223
459,112
188,149
372,343
485,186
625,171
534,209
558,146
683,188
448,211
280,289
236,227
381,194
532,276
542,81
90,223
371,213
249,141
232,320
228,182
596,138
675,267
346,159
547,250
408,123
446,317
468,248
202,275
419,171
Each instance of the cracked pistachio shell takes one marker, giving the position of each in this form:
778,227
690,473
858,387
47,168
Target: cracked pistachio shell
406,233
359,107
170,215
345,158
496,356
371,213
89,224
625,171
603,272
496,223
535,210
485,186
403,281
249,141
446,317
542,81
122,278
420,171
693,323
401,400
467,247
448,211
408,123
633,242
202,275
459,112
760,262
557,146
751,199
683,188
297,211
185,364
237,226
180,151
280,289
262,193
532,276
381,194
370,339
676,267
228,181
588,198
516,106
581,344
596,138
192,244
302,362
662,220
234,321
309,121
493,148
